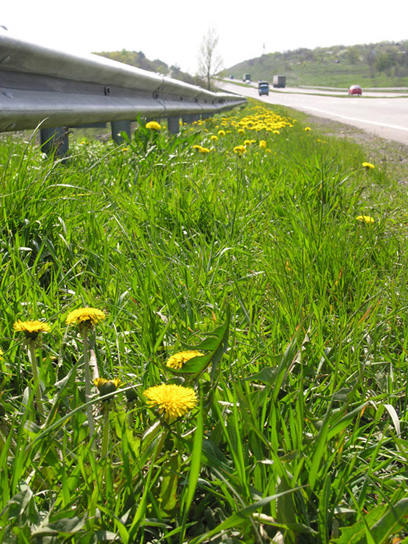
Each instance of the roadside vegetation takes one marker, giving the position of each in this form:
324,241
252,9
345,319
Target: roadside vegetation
203,338
139,60
382,64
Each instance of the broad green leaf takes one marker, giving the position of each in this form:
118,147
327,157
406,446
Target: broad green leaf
193,366
356,534
286,507
216,344
267,375
103,536
392,522
169,483
235,520
195,465
340,425
62,527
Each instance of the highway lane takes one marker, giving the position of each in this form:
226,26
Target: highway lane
384,116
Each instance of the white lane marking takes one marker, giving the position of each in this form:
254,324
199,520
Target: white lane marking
385,125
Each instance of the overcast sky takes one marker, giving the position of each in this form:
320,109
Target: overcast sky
173,31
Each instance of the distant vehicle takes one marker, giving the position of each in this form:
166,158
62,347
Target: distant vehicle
279,81
232,76
263,88
246,78
355,89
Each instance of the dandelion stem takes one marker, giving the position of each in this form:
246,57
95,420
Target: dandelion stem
105,425
160,445
37,390
87,381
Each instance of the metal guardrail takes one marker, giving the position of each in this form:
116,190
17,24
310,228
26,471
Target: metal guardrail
60,89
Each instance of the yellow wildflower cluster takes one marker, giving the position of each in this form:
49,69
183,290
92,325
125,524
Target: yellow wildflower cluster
82,316
263,120
201,149
239,149
260,120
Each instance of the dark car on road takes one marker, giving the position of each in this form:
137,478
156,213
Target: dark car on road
263,88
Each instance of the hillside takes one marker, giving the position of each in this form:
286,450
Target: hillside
371,65
139,60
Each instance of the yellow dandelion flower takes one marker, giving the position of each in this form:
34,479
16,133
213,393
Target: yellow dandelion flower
31,329
204,150
171,400
214,138
307,129
275,132
367,165
1,354
106,386
197,147
221,132
85,316
179,359
262,144
365,219
240,149
153,125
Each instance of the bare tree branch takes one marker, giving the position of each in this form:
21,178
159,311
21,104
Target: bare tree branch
209,60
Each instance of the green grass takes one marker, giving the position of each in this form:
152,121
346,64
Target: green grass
258,261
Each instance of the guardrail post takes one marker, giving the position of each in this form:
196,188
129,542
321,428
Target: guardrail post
191,117
54,140
173,124
117,128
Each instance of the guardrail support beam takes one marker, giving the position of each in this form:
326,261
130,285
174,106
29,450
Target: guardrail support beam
173,124
191,117
117,128
54,140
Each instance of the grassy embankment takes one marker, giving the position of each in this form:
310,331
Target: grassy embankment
370,65
293,419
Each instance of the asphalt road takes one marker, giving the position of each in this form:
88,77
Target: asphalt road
381,113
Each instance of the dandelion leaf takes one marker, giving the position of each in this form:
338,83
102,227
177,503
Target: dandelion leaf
381,523
215,344
63,527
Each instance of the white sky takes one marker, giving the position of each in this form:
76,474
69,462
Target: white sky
173,31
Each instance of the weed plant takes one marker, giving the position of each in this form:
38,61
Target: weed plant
277,263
